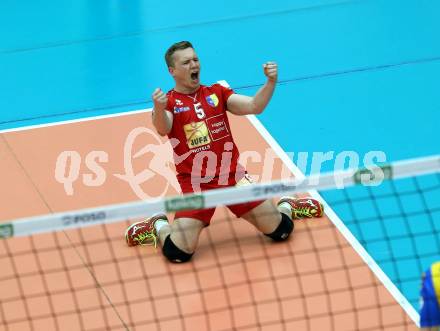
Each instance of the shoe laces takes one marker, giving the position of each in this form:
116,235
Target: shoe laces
146,239
302,212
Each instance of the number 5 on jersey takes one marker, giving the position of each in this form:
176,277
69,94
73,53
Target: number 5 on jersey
199,110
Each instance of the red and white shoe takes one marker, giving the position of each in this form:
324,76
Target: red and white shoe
143,232
303,207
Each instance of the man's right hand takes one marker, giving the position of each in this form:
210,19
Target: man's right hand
160,100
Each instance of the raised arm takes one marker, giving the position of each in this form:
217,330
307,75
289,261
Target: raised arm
162,119
243,105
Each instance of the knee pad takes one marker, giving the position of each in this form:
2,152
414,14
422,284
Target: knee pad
284,229
174,253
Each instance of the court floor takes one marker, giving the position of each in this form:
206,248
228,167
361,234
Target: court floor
88,279
355,75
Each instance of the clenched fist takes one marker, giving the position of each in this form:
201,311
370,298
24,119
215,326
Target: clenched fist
160,100
271,71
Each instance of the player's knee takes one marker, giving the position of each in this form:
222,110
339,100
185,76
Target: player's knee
284,229
174,253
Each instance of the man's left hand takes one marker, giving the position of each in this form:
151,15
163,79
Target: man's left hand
271,71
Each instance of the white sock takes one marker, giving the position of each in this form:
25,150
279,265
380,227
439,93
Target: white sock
159,224
285,208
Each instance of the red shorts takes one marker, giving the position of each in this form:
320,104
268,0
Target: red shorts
205,215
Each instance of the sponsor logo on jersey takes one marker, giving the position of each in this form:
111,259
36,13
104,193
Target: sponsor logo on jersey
217,127
196,134
212,100
178,110
201,148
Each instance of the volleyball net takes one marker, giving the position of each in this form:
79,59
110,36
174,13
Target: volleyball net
358,268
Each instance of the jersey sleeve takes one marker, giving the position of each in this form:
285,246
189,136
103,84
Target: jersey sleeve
225,92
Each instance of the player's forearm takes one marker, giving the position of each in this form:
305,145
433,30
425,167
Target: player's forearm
162,122
262,97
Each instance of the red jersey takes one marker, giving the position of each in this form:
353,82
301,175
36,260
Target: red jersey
201,136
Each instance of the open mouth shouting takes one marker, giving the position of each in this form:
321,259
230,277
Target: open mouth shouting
195,77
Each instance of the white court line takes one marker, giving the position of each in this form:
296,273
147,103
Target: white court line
91,118
334,218
79,120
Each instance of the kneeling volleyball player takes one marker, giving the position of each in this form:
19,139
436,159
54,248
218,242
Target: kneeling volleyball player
195,116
